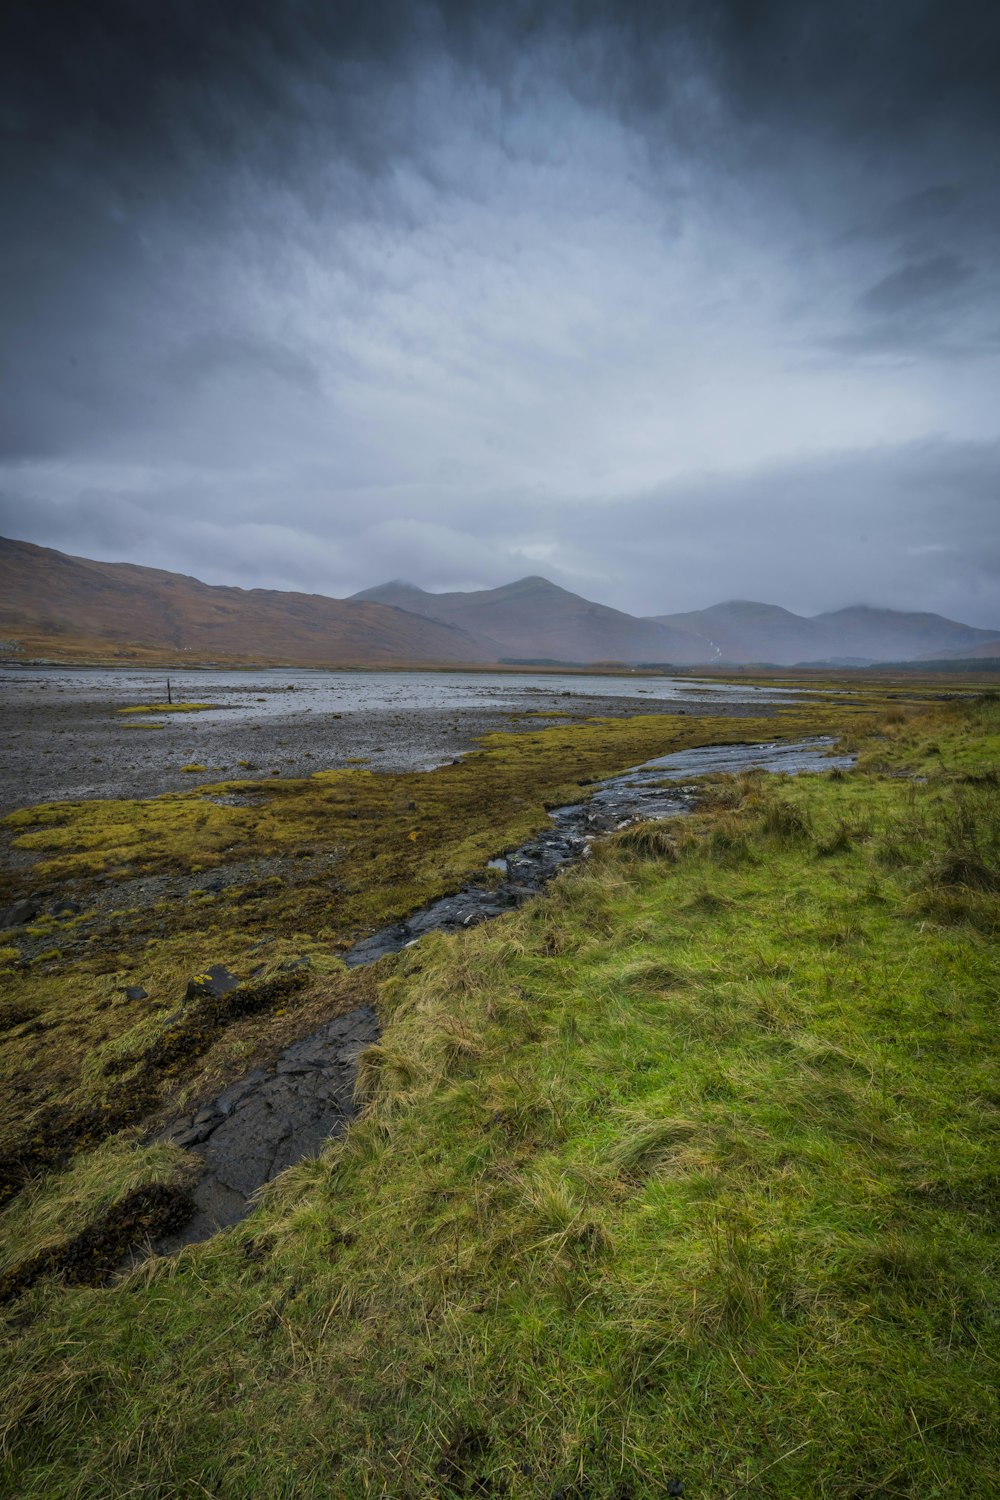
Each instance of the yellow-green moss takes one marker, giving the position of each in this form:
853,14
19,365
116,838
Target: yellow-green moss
494,798
167,708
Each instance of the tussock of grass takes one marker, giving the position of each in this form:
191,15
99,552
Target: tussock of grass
649,841
785,820
650,1144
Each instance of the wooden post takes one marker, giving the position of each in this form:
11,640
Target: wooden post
169,699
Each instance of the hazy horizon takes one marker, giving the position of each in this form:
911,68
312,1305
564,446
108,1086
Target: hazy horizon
673,304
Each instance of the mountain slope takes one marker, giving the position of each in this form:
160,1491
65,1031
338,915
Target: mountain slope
536,619
985,651
69,608
743,631
892,635
66,606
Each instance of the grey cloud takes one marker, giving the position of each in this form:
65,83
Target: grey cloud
929,205
309,294
213,354
916,283
910,526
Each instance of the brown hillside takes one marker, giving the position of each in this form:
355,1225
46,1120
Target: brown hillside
69,607
986,651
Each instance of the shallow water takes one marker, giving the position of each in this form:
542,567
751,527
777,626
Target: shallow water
263,693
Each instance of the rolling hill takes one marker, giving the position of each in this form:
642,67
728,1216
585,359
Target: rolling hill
69,608
74,609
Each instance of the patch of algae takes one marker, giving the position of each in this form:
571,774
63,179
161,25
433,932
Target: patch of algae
167,708
80,1061
387,826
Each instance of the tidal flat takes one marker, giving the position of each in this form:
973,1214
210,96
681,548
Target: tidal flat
666,1117
78,733
114,904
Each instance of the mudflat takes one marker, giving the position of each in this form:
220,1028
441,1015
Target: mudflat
77,734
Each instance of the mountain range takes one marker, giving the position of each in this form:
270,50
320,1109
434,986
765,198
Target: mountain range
534,619
70,608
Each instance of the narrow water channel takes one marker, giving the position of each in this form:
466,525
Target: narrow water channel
278,1115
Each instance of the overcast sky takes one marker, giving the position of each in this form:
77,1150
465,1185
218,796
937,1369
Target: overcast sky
671,303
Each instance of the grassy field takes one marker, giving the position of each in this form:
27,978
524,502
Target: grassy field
682,1179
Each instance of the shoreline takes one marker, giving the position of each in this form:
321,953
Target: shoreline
59,746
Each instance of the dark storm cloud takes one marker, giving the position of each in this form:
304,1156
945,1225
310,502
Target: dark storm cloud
310,294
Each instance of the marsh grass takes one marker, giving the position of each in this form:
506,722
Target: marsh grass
685,1169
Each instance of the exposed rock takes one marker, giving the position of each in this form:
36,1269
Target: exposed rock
213,981
271,1119
21,912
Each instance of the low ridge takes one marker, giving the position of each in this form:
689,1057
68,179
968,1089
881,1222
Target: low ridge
745,631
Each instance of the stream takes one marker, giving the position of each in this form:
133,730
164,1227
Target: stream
276,1116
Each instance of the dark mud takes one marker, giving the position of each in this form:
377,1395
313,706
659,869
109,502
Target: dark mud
274,1117
91,1256
269,1120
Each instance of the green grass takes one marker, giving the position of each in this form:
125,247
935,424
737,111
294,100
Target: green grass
686,1169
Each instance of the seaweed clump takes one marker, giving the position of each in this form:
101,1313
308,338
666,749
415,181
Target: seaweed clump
194,1032
60,1132
92,1255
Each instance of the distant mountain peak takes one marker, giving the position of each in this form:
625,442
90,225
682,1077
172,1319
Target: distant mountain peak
743,630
